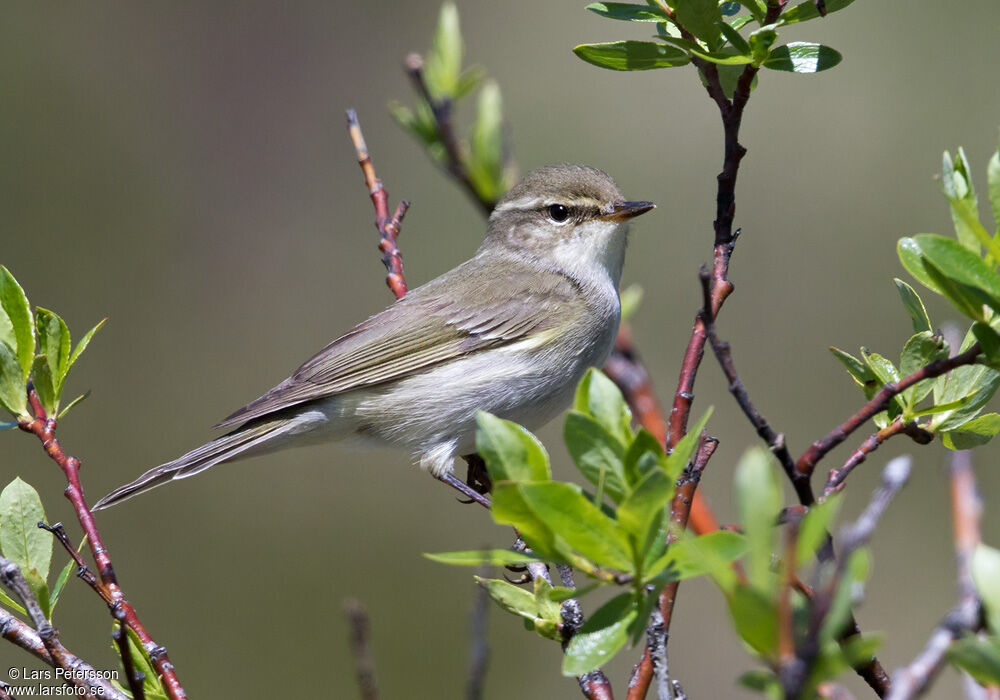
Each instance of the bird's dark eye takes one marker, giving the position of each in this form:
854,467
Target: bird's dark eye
558,213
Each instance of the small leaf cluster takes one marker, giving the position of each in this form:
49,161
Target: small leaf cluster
616,533
962,269
979,656
28,546
755,596
484,154
34,347
701,31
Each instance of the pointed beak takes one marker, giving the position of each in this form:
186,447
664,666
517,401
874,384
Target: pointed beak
623,211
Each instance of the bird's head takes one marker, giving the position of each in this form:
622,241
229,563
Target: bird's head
572,216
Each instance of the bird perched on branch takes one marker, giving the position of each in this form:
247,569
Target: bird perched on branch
510,331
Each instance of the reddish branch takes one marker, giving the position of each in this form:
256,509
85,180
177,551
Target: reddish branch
807,462
680,510
43,427
626,369
388,225
835,480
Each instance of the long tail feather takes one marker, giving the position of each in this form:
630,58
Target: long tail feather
223,449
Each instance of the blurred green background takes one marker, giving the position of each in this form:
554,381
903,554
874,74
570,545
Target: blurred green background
183,169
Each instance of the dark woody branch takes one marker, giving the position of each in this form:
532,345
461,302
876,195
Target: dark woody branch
43,642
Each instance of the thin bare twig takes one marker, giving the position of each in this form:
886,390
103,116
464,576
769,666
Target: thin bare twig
854,536
43,427
479,646
388,225
364,662
916,677
835,480
723,353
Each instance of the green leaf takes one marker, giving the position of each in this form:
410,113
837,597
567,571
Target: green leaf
855,573
597,454
511,452
976,380
726,57
511,598
960,264
43,382
986,576
484,557
802,57
980,658
961,195
881,367
54,343
644,454
632,55
599,397
814,528
629,12
631,299
761,42
13,387
973,433
758,500
912,258
151,685
735,38
601,636
487,162
701,18
920,350
60,584
942,407
755,618
638,512
859,371
19,325
82,397
509,508
697,556
761,680
993,182
22,541
729,78
968,300
806,11
914,306
444,60
988,339
584,527
85,341
12,604
678,460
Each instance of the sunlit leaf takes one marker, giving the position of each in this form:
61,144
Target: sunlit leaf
802,57
914,306
632,55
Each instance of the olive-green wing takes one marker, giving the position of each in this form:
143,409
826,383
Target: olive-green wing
444,320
